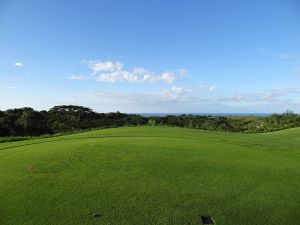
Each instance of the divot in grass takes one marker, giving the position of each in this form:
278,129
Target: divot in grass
97,215
30,168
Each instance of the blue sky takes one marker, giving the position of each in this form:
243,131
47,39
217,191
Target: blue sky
151,56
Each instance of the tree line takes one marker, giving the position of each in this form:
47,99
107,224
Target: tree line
245,124
72,118
61,119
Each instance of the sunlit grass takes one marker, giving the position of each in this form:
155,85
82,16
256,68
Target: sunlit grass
151,175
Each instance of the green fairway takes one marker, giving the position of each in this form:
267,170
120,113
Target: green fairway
152,175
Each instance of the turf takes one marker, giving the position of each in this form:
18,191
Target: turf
152,175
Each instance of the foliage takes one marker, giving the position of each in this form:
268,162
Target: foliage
72,118
245,124
61,119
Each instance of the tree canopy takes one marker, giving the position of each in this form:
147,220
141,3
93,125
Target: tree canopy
70,118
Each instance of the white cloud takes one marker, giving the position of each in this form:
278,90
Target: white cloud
168,78
279,95
212,88
177,98
19,64
286,56
7,87
116,76
235,98
114,72
182,72
77,77
139,70
208,87
174,95
99,66
149,78
181,90
268,96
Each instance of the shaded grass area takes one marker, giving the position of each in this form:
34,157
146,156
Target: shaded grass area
23,138
151,175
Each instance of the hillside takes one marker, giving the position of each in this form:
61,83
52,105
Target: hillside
152,175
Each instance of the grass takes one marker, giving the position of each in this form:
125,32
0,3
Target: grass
152,175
